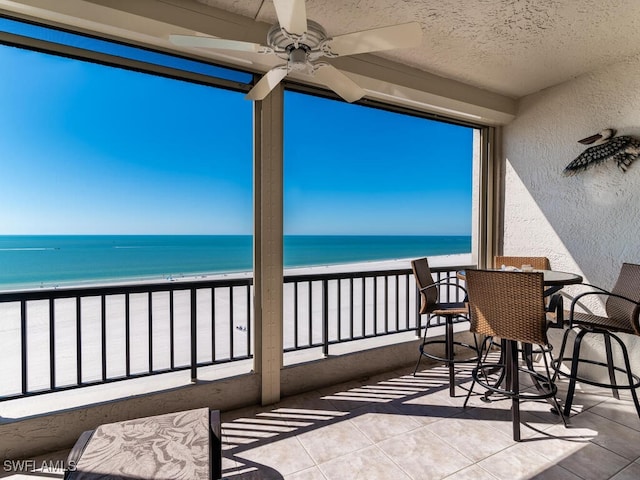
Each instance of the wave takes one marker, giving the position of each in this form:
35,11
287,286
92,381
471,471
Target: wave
30,249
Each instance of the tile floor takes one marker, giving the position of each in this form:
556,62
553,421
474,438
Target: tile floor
397,426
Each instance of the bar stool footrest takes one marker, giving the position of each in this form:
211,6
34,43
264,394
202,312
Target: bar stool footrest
542,380
446,360
555,364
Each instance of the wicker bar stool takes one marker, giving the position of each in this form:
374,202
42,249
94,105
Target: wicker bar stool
510,305
555,304
431,306
622,309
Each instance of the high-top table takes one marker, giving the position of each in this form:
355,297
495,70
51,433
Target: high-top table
553,279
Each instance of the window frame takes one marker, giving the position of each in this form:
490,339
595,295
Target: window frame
115,61
485,222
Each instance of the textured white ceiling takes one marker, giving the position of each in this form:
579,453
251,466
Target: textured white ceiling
511,47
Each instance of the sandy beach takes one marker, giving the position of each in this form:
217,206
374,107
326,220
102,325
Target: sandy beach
214,307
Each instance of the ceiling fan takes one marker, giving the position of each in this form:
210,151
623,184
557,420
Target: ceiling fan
301,42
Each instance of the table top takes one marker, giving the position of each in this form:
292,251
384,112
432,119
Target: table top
555,277
551,277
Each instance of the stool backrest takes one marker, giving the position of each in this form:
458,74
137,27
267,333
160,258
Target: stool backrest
509,305
424,279
539,263
627,285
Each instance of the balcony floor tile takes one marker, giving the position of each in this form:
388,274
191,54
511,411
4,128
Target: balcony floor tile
399,426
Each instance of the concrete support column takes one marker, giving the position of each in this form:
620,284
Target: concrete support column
268,231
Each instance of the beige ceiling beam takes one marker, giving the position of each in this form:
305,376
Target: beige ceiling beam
149,22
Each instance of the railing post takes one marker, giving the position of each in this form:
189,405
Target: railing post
52,345
295,315
194,343
407,308
172,355
418,323
310,309
231,321
103,336
325,317
127,333
23,346
79,340
150,327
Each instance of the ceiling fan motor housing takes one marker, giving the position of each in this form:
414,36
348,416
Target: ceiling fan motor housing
284,42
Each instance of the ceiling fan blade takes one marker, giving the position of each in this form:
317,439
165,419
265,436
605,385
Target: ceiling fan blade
292,15
217,43
385,38
338,82
267,83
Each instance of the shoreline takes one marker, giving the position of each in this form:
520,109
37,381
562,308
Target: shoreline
393,264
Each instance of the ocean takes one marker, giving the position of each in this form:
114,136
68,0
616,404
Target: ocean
52,260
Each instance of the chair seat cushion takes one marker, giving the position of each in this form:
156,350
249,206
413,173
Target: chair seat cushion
454,308
607,323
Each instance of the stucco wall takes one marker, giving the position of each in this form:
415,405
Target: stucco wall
588,223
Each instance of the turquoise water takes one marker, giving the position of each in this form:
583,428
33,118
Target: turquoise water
46,260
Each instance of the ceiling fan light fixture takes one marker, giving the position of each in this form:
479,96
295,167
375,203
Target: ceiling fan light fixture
298,59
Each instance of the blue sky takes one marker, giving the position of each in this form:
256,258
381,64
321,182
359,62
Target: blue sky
356,169
89,149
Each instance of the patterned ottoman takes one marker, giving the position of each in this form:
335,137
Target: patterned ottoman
183,445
